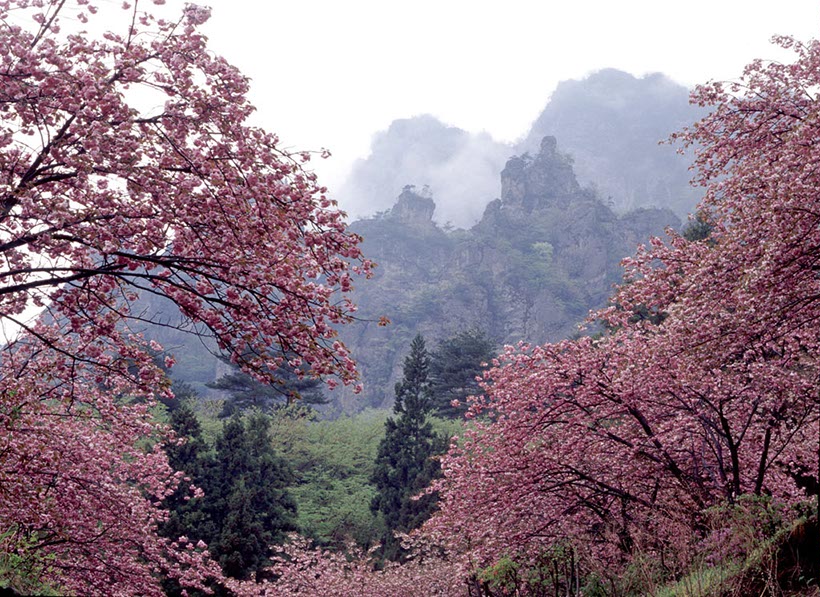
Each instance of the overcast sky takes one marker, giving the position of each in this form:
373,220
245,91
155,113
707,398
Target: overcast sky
330,73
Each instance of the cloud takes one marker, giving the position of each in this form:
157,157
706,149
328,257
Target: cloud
460,168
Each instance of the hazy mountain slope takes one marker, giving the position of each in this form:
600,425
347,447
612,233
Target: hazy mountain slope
539,259
611,123
459,167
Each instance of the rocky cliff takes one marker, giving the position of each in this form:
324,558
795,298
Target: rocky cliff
542,255
610,122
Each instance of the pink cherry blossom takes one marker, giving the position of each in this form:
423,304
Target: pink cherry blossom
705,386
101,200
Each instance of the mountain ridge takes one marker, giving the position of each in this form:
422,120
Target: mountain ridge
542,255
610,122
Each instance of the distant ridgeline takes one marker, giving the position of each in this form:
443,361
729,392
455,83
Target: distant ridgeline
611,124
539,259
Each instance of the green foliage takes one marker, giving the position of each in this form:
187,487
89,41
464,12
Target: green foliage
747,549
22,564
446,428
187,516
332,462
698,228
250,503
454,366
555,572
246,506
183,392
502,577
740,555
404,465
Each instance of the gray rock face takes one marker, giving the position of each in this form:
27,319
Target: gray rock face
539,259
530,184
612,124
413,209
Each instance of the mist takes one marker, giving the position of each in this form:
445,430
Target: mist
611,123
460,170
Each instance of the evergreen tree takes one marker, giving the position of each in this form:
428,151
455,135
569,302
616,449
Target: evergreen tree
699,228
454,366
194,458
183,393
404,465
245,507
247,499
187,515
245,391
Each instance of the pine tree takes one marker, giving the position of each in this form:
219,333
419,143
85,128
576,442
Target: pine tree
193,457
245,391
404,465
246,497
245,508
187,515
454,366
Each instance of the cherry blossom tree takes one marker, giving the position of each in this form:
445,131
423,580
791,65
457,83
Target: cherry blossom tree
703,390
305,571
127,166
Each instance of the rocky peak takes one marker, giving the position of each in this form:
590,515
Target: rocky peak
529,183
414,208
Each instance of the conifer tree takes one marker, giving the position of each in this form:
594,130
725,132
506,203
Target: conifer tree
245,507
187,515
193,457
246,392
454,366
404,465
248,502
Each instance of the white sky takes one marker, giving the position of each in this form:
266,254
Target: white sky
331,73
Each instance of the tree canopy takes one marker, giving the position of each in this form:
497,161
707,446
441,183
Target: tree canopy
103,198
404,464
282,388
621,445
455,365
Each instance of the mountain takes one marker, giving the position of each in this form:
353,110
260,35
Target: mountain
611,124
462,168
541,256
588,184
